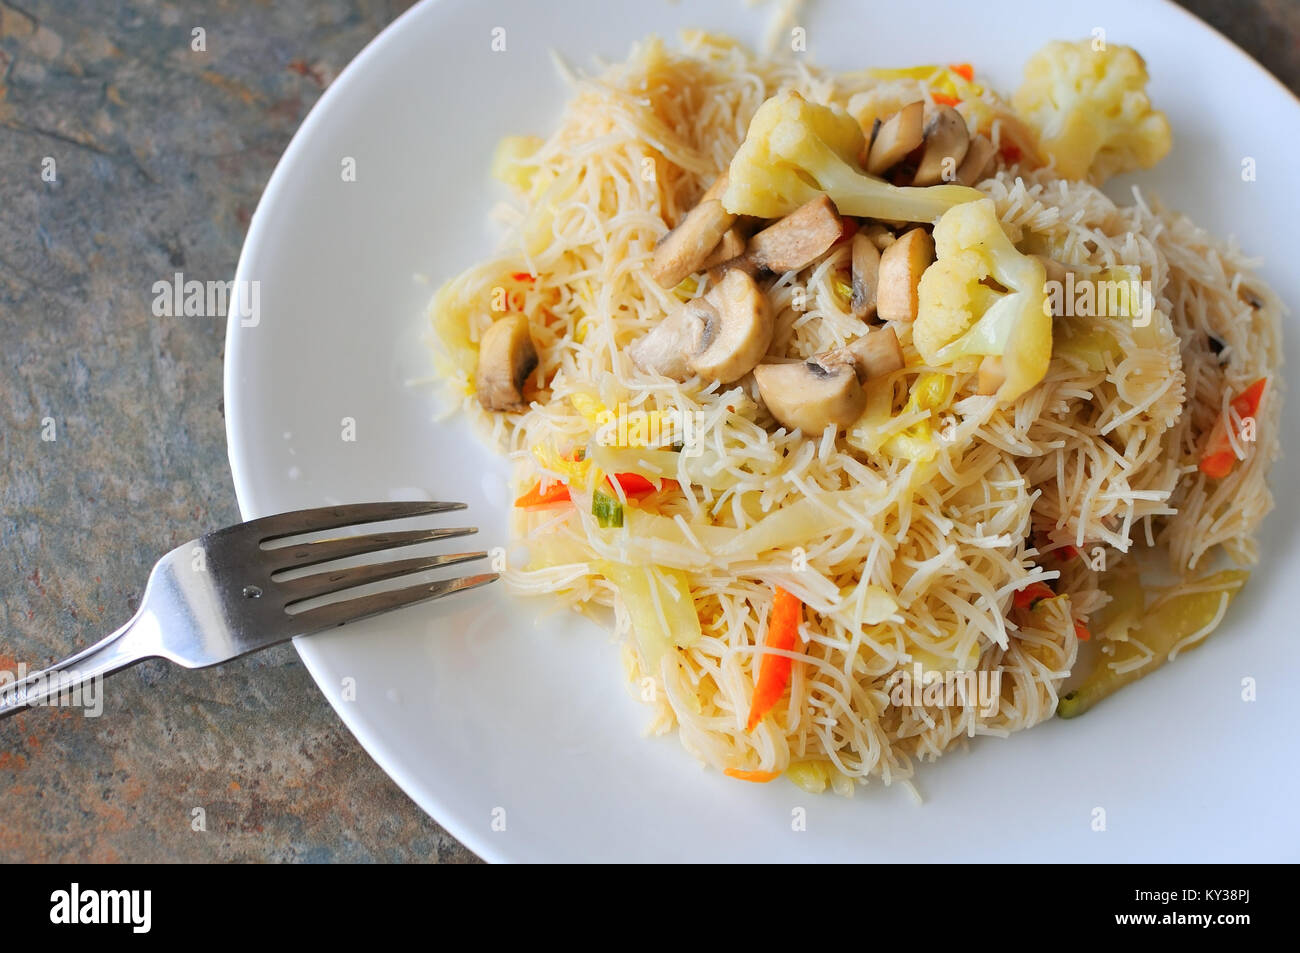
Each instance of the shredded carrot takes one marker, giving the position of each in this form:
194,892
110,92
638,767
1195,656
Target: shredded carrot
634,485
1067,552
758,777
523,276
774,671
1081,631
1218,460
1009,151
964,70
557,492
1032,594
1246,404
943,99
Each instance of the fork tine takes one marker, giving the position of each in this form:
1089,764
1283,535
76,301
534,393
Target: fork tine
339,613
310,554
333,517
324,583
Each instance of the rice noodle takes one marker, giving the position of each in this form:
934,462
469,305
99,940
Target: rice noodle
1086,458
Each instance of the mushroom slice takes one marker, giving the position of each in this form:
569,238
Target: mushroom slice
684,250
685,332
801,237
901,265
897,136
866,274
946,138
741,333
809,395
506,356
731,246
872,355
720,336
876,354
979,159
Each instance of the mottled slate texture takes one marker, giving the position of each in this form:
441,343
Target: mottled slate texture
160,153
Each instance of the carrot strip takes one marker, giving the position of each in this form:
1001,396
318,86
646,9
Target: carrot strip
943,99
557,492
634,485
1081,631
1031,595
758,777
774,671
523,276
848,228
1218,460
964,70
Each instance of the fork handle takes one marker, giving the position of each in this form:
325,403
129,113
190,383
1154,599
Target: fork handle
76,677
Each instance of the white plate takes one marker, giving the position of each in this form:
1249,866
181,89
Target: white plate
481,705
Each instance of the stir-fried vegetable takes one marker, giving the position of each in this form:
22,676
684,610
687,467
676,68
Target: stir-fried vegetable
961,317
757,777
543,494
1091,109
511,163
774,670
1170,622
796,150
931,392
1031,595
607,510
813,776
633,485
659,605
1123,613
1218,460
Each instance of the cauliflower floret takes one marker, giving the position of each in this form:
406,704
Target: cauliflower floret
796,150
1091,110
961,317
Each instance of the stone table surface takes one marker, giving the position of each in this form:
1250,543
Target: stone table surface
127,155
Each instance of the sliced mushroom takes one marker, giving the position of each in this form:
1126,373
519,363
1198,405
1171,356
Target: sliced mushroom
876,354
901,266
946,138
897,136
743,330
731,246
872,355
866,274
977,165
800,238
809,395
720,336
991,375
684,250
506,356
685,332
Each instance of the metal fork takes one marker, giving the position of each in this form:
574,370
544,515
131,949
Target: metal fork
216,598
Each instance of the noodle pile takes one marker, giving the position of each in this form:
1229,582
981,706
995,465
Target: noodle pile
898,561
